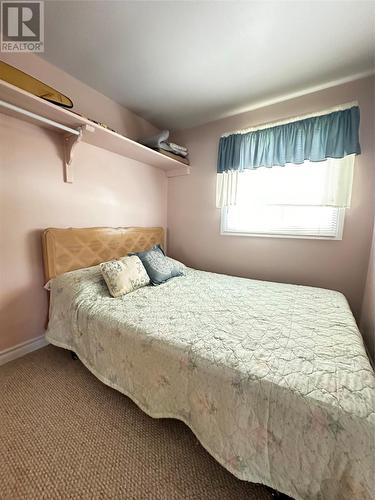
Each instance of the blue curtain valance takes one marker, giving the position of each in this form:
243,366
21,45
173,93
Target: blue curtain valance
333,135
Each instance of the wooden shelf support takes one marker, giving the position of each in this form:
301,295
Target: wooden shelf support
184,170
70,143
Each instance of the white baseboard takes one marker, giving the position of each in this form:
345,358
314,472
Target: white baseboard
21,349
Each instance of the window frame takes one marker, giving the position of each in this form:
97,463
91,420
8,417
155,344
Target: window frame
224,231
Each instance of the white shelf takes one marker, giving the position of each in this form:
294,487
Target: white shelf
91,132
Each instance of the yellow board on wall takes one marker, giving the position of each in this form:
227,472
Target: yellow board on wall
30,84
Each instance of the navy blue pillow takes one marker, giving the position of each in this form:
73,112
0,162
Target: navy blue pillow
158,266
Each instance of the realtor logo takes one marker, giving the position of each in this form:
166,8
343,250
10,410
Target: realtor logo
22,26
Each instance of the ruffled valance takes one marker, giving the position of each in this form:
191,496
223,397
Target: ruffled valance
316,138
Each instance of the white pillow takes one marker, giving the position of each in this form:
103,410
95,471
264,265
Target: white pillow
125,275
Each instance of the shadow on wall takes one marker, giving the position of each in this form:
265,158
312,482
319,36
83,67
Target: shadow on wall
57,140
23,310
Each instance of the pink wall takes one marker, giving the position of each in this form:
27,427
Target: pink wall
194,222
368,306
108,190
86,100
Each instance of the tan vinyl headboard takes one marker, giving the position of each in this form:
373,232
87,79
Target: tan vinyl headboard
69,249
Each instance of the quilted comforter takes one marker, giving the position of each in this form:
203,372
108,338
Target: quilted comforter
273,379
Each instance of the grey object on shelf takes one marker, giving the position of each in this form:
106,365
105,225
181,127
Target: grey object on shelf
155,140
160,141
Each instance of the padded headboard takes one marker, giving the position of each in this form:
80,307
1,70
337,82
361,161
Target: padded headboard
69,249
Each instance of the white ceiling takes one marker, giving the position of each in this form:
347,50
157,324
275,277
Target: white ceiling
180,63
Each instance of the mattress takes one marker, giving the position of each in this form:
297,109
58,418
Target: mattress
272,378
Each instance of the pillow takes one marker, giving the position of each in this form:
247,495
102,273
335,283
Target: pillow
125,275
159,267
178,265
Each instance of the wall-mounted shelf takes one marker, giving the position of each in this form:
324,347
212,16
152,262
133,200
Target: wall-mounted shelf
75,129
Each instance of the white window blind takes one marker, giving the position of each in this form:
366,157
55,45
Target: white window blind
284,220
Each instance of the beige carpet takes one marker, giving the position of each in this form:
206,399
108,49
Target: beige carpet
63,434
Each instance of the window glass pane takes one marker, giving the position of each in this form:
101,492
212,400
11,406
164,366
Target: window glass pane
289,201
325,183
282,185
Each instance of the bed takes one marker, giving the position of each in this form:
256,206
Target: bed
272,378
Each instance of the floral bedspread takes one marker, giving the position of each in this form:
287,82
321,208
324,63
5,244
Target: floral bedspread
273,379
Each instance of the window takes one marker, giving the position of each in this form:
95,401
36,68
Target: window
290,201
